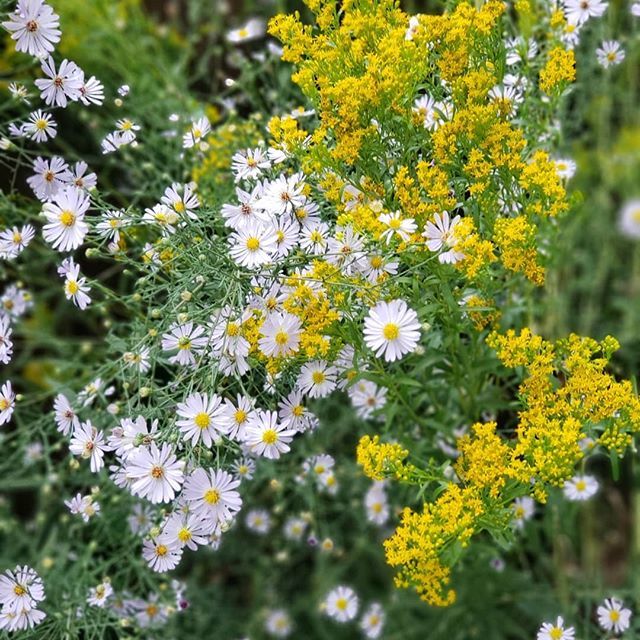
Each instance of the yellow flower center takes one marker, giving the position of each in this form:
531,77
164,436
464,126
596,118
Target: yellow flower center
67,218
202,420
152,610
395,223
391,331
318,377
161,550
341,603
253,244
581,485
269,436
72,287
19,590
41,124
212,496
281,338
298,410
556,633
184,535
635,216
243,33
157,472
233,329
376,262
614,616
4,404
179,206
184,343
240,416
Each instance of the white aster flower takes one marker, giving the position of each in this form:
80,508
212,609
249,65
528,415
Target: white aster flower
252,30
267,437
248,164
397,225
280,334
341,604
629,219
34,27
523,510
283,195
213,494
65,417
66,229
610,54
557,631
566,168
14,241
189,339
20,589
613,616
7,402
391,329
161,554
75,287
372,621
253,245
50,176
197,132
580,488
441,237
88,443
579,11
278,623
317,379
80,178
258,521
40,126
6,344
62,85
99,594
92,92
156,473
200,415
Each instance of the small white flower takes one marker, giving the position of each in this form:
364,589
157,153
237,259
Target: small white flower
280,334
372,621
523,510
188,339
557,631
156,473
440,235
62,85
579,11
99,595
258,521
66,229
629,219
249,164
20,589
40,126
391,329
566,168
253,245
197,132
6,344
580,487
317,379
65,417
278,623
341,604
613,616
34,27
75,287
252,30
161,554
213,494
610,54
200,415
7,402
88,443
267,437
50,176
397,225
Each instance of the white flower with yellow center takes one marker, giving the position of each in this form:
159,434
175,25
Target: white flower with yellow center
629,219
34,27
341,604
317,379
66,229
440,236
613,616
156,473
557,631
88,443
41,126
280,334
75,287
212,494
188,339
20,589
161,554
200,421
396,225
267,437
236,416
372,621
580,488
391,329
252,30
254,245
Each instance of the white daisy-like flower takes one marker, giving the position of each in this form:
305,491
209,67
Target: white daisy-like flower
293,413
566,168
367,397
80,178
14,241
161,215
579,11
317,379
182,199
127,129
523,509
62,85
34,27
138,360
613,616
249,164
341,604
557,631
391,329
376,266
629,219
278,623
75,287
253,245
21,620
113,141
190,340
200,415
283,195
372,621
161,554
66,229
259,521
236,416
186,530
20,589
40,126
49,177
287,233
88,443
267,437
99,594
580,488
197,132
238,216
92,92
314,238
84,506
156,473
397,225
213,494
635,9
15,301
440,236
6,344
376,504
294,528
7,402
65,416
610,53
110,225
252,30
244,468
280,334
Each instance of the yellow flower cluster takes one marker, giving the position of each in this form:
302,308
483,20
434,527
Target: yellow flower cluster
567,396
559,70
380,459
